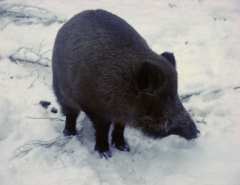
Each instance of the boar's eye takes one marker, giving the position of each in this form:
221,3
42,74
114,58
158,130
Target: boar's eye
151,95
171,96
167,97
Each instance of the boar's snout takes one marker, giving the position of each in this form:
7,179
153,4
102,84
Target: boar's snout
188,132
185,126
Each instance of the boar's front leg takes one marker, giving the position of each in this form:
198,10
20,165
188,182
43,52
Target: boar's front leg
70,125
118,138
101,126
71,116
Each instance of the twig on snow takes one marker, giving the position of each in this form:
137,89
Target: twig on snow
62,162
183,97
203,119
52,119
34,80
27,147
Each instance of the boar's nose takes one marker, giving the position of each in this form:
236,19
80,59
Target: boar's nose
188,131
192,132
195,134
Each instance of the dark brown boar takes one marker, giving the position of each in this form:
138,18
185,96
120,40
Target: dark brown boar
103,67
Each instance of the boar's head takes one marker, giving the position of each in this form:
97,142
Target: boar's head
160,111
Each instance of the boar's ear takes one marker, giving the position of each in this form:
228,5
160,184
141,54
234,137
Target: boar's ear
170,57
148,78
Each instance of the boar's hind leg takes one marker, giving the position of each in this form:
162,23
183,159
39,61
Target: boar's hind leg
118,138
101,126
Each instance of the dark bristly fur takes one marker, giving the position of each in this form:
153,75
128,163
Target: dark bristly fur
103,67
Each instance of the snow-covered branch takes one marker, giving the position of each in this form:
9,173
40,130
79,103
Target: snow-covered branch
22,14
24,54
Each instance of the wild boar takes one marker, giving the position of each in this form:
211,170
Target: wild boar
102,66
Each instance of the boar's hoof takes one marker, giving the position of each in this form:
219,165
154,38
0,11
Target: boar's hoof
105,154
69,132
103,151
121,146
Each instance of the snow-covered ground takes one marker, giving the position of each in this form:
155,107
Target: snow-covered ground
204,36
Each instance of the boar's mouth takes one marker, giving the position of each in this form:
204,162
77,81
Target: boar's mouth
185,133
158,131
190,132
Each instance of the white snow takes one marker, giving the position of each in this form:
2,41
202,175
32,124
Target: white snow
204,36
